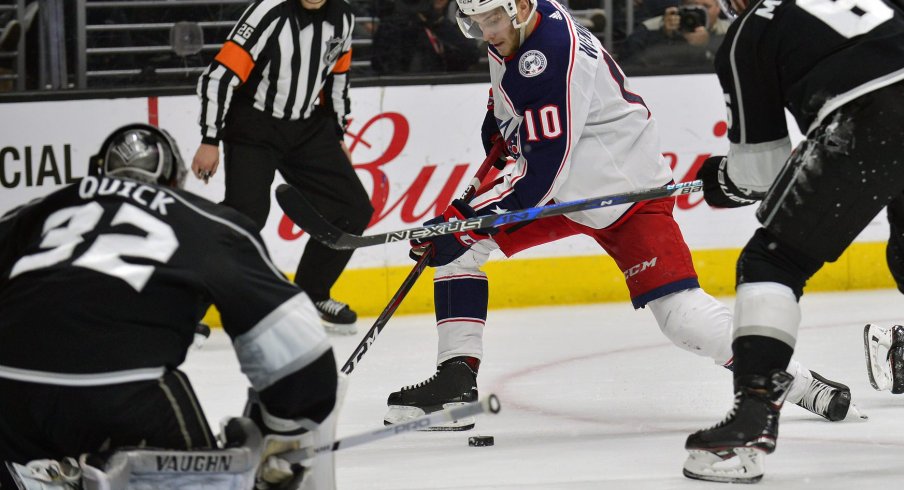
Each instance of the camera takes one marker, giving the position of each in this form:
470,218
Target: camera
692,17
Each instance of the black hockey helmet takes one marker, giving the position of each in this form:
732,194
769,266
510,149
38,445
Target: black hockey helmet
141,152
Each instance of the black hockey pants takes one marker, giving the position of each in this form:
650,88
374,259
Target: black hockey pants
308,156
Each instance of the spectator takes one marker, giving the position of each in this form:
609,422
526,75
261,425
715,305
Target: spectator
421,36
685,36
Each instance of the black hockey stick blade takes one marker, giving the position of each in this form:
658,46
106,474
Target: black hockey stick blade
303,213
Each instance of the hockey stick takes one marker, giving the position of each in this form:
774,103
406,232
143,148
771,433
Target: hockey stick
306,216
489,404
371,336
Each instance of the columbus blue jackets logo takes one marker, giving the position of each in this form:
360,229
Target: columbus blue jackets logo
333,48
532,63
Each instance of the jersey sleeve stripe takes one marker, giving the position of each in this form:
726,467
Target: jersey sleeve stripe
343,63
286,340
235,58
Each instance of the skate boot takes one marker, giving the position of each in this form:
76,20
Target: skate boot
749,432
885,357
454,384
826,398
337,317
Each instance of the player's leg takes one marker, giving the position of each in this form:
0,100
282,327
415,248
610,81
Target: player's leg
318,167
249,159
40,421
461,295
832,187
650,249
884,347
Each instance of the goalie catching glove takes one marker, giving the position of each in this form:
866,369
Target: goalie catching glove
718,189
447,248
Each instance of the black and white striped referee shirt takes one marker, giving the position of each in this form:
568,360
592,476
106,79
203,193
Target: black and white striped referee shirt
286,58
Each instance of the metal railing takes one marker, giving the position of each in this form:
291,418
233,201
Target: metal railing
109,43
84,32
18,53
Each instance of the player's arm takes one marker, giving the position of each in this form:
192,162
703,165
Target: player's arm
232,66
275,330
553,114
337,84
758,132
14,226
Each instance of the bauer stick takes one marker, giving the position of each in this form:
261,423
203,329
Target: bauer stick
416,271
299,210
489,404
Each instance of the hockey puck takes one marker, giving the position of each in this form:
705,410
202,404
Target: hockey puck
480,441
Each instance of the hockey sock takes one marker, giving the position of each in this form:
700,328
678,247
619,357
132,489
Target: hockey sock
758,355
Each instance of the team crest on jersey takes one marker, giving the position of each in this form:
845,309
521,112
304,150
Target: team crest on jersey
333,48
532,63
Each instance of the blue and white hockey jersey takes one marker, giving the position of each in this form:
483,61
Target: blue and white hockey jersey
571,121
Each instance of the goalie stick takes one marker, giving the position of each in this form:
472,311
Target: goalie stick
490,405
300,210
371,336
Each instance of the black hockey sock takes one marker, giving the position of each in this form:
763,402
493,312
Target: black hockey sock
758,355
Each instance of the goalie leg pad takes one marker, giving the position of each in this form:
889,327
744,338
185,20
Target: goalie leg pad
45,474
884,349
232,468
228,469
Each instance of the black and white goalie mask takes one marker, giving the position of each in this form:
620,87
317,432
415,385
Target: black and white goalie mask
144,153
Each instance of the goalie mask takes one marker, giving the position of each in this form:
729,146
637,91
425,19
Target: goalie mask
486,19
141,152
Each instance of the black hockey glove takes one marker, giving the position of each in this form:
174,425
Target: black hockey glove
489,133
447,248
718,190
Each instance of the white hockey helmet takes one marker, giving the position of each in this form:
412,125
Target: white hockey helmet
472,29
141,152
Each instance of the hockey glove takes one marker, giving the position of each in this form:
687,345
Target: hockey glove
489,134
447,248
718,190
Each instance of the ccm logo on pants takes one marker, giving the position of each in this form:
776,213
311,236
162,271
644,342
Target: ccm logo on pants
637,269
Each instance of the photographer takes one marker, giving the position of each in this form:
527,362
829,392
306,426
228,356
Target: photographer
418,36
684,36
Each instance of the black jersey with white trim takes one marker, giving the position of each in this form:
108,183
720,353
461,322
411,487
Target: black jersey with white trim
809,56
105,280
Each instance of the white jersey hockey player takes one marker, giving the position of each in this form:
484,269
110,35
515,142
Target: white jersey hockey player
575,129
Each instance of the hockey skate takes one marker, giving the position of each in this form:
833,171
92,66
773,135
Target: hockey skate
745,437
337,317
885,357
454,384
828,399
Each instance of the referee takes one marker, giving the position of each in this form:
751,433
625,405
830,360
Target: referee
276,95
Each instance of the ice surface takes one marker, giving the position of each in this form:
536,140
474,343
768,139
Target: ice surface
595,397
